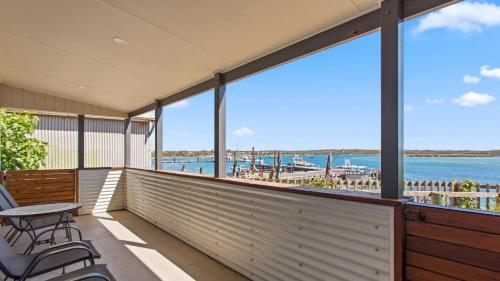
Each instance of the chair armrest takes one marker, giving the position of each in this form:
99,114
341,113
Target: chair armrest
53,230
58,249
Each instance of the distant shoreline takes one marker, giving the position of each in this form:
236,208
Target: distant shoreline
408,153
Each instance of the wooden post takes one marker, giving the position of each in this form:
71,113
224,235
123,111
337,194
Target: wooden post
478,189
392,99
278,165
497,198
158,135
220,126
127,144
81,141
488,198
456,201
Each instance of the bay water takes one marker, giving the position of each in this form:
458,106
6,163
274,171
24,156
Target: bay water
485,170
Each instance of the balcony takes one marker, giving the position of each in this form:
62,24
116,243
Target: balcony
103,104
137,250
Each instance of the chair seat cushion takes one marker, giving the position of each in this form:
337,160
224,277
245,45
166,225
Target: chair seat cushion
77,274
11,263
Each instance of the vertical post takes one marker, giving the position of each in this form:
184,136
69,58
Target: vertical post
81,141
220,126
392,99
158,135
126,142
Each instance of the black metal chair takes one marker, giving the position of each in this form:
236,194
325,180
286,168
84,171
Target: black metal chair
20,267
98,272
18,226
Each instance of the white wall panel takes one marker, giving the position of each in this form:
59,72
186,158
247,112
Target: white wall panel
104,142
268,235
101,190
61,135
23,99
141,146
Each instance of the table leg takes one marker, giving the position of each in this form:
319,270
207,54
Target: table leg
52,238
27,229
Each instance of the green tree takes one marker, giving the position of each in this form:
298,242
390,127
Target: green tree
468,203
18,148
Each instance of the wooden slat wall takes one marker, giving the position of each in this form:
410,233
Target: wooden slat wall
450,244
41,186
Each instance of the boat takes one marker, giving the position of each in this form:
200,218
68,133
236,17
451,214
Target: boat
297,161
355,172
245,158
348,166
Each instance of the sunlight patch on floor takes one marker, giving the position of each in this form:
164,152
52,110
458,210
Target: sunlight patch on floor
120,232
159,265
103,215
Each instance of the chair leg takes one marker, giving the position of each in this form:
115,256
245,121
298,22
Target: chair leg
19,236
12,235
8,232
68,232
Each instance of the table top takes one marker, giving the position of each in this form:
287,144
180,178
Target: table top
40,210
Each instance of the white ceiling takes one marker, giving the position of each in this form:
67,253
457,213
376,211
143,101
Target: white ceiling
65,47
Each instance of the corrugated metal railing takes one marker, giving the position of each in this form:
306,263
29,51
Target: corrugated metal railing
101,190
265,234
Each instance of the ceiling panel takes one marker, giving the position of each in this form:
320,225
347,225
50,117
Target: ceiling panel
61,45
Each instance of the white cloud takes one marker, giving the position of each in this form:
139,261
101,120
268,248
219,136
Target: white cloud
464,17
408,108
179,104
489,72
243,132
471,79
436,101
471,99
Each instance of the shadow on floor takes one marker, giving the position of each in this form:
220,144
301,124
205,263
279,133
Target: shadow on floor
135,249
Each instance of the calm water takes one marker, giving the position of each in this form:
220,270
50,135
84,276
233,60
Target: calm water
479,169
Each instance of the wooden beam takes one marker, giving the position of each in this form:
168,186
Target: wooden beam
81,141
392,152
142,110
333,36
158,135
336,35
220,126
189,92
415,8
127,139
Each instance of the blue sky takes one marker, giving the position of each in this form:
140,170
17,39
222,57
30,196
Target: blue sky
331,99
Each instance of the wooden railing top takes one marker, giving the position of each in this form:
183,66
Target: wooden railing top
360,197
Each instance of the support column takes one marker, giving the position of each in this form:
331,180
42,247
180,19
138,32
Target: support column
392,98
128,132
158,135
81,141
220,126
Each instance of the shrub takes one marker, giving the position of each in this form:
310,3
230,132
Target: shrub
18,148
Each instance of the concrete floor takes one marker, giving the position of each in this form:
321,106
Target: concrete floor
136,250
